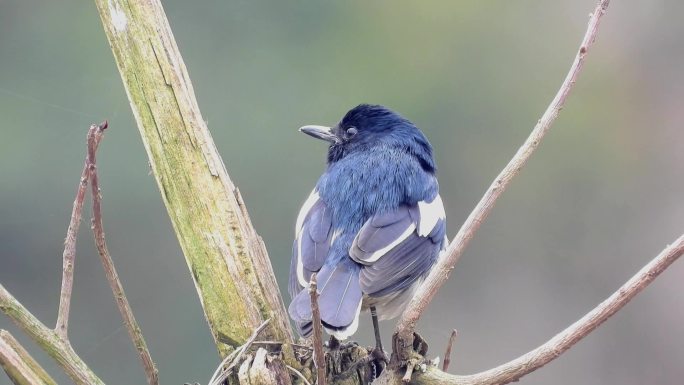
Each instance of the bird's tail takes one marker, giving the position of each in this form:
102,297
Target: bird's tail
339,301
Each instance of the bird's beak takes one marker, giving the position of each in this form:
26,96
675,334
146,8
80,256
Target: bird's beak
321,132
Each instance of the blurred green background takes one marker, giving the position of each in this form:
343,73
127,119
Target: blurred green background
598,200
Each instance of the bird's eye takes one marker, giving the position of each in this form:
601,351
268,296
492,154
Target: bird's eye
351,131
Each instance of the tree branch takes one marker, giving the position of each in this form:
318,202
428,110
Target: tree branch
51,342
20,367
69,254
403,334
447,353
227,258
553,348
319,358
94,137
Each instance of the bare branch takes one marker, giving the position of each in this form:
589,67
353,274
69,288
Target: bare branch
20,367
94,136
440,273
51,342
319,358
69,254
447,354
570,336
553,348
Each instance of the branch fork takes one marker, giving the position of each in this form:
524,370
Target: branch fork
56,341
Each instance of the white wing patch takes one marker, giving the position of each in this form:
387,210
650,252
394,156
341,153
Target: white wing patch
306,207
430,214
300,265
336,234
376,255
303,212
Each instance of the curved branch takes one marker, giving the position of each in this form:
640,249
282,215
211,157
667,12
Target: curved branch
535,359
440,273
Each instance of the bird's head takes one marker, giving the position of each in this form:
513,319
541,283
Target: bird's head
367,126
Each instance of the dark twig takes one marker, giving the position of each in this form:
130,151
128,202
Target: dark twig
440,273
69,254
319,359
113,278
447,354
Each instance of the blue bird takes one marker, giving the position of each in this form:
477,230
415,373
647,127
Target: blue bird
373,226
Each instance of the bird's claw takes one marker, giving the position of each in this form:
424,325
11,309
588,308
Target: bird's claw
379,361
379,355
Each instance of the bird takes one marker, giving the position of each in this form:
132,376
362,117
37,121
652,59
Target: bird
372,228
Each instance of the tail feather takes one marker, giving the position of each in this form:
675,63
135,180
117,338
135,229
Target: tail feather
339,301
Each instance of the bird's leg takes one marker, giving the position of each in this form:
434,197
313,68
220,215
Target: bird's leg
378,354
376,328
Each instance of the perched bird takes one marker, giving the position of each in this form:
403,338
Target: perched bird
373,226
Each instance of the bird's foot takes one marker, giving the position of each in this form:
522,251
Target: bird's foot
378,361
335,344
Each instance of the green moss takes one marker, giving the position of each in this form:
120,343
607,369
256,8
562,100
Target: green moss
199,197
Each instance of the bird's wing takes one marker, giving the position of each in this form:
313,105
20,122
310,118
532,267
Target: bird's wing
313,234
398,247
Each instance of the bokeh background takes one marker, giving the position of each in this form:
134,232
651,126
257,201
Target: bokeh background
600,198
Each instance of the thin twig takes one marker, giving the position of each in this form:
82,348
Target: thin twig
298,374
440,273
69,254
113,278
228,363
223,367
319,358
447,354
298,346
51,342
